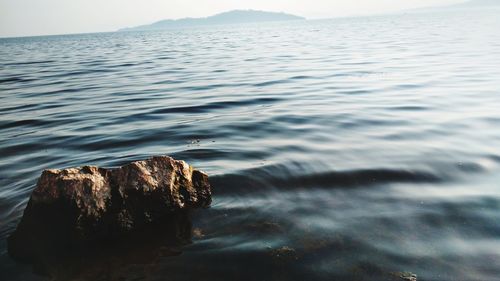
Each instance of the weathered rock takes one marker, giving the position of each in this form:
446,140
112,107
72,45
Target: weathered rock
75,207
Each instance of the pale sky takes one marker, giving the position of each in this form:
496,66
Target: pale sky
41,17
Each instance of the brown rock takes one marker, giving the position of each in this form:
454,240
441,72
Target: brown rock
75,207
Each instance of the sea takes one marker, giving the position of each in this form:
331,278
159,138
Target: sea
360,148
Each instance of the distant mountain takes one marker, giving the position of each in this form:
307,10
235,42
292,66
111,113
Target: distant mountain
478,3
232,17
466,4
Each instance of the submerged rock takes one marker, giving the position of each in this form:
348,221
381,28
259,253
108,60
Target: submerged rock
284,254
73,208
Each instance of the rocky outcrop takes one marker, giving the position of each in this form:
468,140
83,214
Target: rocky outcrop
77,207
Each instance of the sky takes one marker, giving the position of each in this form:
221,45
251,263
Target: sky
44,17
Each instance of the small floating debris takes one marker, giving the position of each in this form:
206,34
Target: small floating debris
406,276
194,142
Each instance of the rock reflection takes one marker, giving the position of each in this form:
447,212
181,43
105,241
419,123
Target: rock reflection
115,259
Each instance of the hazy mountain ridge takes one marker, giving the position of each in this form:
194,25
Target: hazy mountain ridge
231,17
478,3
463,5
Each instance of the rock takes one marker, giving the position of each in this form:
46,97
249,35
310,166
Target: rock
77,207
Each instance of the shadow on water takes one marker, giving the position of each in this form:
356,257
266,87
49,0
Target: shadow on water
108,259
160,253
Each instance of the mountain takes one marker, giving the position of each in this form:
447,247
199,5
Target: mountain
478,3
463,5
231,17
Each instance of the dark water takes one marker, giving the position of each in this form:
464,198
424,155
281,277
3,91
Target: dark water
338,150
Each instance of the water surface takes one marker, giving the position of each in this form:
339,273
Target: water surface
340,149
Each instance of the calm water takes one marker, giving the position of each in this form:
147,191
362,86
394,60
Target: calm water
339,150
